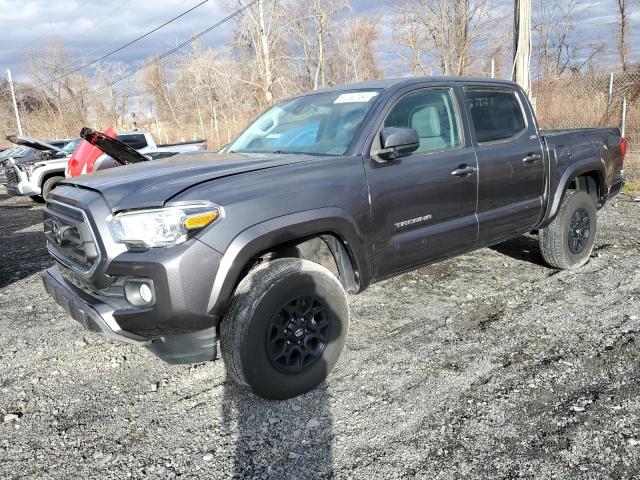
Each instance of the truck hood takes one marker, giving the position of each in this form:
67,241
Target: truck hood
151,184
33,143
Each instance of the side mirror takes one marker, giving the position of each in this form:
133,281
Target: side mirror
397,143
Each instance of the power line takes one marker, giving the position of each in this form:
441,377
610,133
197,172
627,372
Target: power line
93,62
118,8
174,49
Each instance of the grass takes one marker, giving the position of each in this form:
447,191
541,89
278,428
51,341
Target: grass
632,188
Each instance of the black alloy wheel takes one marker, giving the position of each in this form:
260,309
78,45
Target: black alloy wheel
567,241
285,328
298,334
579,229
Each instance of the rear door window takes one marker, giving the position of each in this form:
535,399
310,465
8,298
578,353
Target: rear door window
136,141
496,114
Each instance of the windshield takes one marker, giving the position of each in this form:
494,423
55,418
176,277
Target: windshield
317,124
7,153
71,146
13,152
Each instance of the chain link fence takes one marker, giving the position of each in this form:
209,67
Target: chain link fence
599,100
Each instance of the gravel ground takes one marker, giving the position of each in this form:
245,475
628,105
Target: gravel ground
489,365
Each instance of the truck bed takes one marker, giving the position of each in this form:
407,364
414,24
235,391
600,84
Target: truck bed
568,147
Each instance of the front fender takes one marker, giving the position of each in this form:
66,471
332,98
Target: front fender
262,236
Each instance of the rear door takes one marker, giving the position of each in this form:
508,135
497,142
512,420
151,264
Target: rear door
423,205
510,161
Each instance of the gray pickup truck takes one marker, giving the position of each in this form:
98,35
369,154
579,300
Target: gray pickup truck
322,195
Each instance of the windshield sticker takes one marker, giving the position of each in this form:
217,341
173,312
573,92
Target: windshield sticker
355,97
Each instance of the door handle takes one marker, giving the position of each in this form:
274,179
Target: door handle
463,170
531,158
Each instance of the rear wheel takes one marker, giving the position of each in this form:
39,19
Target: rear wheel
285,328
50,184
568,240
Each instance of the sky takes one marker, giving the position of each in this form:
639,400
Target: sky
89,29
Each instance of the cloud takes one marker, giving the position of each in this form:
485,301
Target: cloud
89,29
99,27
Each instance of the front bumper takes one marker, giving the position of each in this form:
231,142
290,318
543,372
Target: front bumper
97,317
93,279
92,314
18,183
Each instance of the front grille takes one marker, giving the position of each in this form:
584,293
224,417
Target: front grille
12,175
70,238
113,295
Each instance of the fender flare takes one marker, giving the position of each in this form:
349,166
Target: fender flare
262,236
42,177
574,170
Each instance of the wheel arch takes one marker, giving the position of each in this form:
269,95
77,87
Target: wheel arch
286,237
50,174
587,176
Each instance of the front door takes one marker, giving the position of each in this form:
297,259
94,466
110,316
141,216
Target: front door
423,205
510,161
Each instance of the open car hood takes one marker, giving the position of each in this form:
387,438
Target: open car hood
117,150
33,143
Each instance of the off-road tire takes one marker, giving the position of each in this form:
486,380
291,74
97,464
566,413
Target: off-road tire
50,184
554,238
254,305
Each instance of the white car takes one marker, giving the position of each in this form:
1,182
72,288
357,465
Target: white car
35,176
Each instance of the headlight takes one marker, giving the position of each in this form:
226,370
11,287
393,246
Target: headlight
162,227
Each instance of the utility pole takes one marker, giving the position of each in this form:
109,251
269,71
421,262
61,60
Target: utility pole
15,104
521,72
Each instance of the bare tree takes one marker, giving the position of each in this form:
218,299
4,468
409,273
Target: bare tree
65,96
449,30
557,48
623,48
314,28
257,36
156,83
411,41
356,59
112,105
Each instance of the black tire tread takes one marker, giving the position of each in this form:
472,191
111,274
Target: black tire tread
249,293
50,184
551,238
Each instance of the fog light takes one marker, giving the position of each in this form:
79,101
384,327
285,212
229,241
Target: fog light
145,293
139,292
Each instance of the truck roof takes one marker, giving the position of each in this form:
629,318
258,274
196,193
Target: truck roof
403,81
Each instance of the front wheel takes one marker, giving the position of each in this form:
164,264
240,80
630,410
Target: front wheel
49,185
568,240
285,328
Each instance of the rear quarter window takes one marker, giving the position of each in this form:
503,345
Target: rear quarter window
496,114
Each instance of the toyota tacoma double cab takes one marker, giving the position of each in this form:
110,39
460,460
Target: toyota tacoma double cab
322,195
